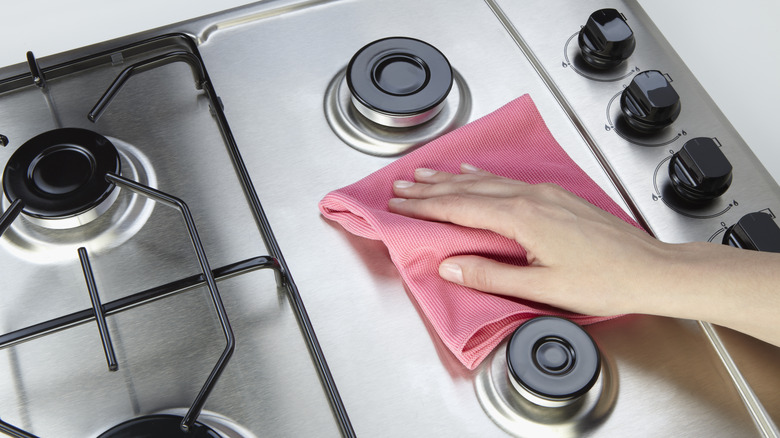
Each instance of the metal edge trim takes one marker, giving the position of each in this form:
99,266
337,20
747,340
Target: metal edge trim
757,412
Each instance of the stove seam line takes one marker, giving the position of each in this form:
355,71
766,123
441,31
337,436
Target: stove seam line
270,13
758,413
284,277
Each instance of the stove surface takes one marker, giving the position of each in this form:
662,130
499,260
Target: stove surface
272,72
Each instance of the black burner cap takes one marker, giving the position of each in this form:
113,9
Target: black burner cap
158,426
553,358
61,173
399,76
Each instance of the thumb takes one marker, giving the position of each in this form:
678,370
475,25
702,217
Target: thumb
491,276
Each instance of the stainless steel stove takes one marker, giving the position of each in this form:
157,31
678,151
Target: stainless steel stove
243,116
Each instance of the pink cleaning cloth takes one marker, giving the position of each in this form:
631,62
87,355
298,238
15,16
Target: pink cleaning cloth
513,142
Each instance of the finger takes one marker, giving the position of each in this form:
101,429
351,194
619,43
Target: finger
484,187
424,174
486,275
483,212
470,168
467,172
489,200
433,183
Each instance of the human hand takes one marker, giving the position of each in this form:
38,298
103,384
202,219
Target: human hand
583,259
580,257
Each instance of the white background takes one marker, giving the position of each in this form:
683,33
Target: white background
733,48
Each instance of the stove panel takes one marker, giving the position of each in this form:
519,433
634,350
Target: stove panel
271,65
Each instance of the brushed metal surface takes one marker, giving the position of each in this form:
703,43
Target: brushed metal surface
271,64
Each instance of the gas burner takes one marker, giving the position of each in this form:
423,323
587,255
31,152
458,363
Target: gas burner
60,177
39,241
399,82
162,426
552,361
564,387
371,138
167,424
396,94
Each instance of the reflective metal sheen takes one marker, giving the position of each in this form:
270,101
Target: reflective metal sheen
273,64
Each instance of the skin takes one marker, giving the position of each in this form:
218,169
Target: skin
586,260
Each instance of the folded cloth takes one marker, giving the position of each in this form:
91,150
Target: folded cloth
513,142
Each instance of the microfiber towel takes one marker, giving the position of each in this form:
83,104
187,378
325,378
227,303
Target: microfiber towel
513,142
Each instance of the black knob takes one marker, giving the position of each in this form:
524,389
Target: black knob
699,171
606,40
552,361
650,103
756,231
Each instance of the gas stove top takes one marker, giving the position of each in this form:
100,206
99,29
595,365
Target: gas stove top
242,122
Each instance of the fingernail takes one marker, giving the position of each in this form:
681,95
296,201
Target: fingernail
451,272
400,184
423,172
396,201
469,168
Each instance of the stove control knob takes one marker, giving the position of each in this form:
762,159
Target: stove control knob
756,231
606,40
699,171
650,103
552,361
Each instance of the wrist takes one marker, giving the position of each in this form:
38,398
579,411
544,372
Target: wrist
679,281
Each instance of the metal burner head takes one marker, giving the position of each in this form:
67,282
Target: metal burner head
399,82
158,426
60,177
552,362
168,424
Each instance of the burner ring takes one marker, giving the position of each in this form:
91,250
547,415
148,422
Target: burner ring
399,81
61,173
552,361
162,425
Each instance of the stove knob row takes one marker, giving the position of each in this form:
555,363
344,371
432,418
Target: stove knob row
756,231
606,40
650,103
699,171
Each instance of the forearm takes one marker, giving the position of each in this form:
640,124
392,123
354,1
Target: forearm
723,285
